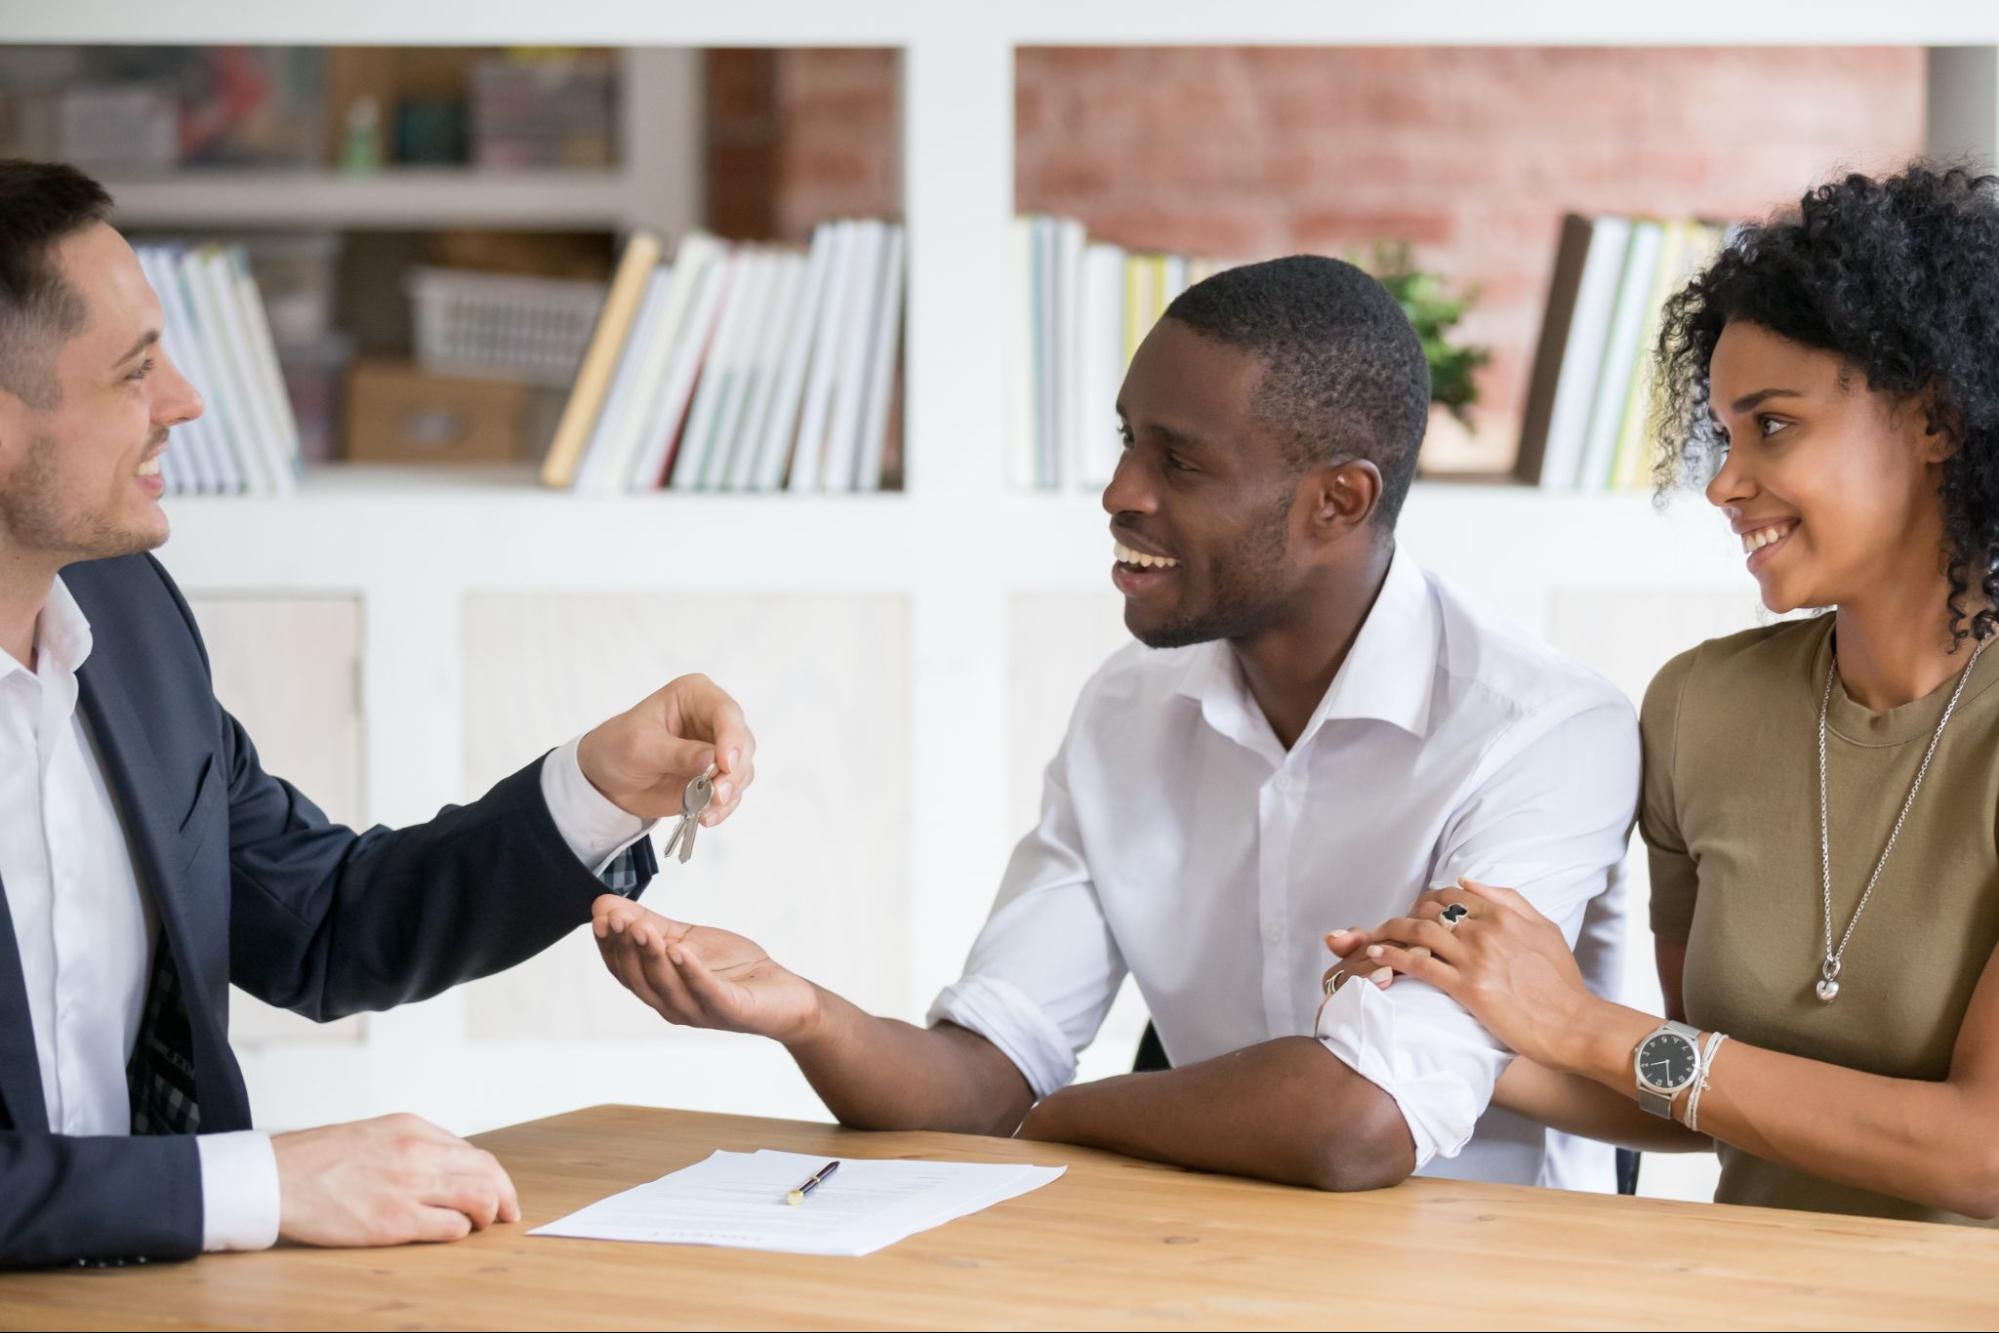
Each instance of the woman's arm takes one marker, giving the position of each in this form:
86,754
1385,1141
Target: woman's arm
1670,956
1576,1105
1567,1102
1933,1143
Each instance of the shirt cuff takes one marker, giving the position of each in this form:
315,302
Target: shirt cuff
595,827
1405,1058
239,1191
1002,1013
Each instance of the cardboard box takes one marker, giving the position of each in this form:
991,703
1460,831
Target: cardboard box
397,413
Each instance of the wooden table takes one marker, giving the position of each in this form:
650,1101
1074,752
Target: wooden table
1113,1243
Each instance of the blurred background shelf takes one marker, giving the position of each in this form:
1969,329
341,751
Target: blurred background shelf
1099,23
356,527
398,198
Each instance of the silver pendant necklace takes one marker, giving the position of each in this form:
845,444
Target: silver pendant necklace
1828,984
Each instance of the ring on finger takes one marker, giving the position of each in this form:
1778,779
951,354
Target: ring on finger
1454,913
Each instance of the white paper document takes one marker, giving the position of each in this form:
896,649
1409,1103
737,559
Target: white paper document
738,1199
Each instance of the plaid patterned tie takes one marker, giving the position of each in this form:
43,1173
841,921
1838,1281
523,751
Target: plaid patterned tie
625,870
160,1074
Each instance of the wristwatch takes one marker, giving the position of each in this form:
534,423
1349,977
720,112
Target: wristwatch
1667,1063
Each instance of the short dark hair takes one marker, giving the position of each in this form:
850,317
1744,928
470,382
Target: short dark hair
1344,372
40,204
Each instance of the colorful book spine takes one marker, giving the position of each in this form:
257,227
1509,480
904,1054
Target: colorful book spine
1591,417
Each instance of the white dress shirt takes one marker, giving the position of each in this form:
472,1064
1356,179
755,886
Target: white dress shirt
1179,840
86,928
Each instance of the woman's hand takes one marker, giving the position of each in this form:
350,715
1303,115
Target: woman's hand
1350,947
1502,960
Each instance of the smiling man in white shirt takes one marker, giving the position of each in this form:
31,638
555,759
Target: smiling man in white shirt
1314,731
147,861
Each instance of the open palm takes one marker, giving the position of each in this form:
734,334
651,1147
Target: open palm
699,976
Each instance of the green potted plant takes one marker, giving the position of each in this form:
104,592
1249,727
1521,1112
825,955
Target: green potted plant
1436,307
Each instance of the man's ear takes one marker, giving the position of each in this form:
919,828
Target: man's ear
1343,497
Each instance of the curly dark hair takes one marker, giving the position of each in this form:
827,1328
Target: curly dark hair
1899,277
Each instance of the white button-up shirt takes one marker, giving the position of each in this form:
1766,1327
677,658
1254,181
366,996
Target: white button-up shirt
86,930
1181,842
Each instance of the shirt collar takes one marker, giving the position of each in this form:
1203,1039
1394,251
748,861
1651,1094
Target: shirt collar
62,636
1390,672
1388,676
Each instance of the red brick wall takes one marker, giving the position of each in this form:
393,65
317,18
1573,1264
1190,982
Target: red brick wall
1471,153
842,134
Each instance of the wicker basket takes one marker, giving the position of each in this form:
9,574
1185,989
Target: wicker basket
497,326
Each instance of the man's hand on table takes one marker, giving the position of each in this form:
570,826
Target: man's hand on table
387,1181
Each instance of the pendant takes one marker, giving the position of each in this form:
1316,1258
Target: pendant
1828,987
1827,990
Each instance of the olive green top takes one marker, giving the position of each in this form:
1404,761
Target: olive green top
1730,814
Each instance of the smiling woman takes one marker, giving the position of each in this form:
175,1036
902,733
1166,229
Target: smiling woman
1843,361
1832,380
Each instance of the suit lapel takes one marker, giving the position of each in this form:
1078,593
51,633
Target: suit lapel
20,1066
133,771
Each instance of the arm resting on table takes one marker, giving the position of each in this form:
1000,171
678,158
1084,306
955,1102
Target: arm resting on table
65,1198
879,1073
1286,1110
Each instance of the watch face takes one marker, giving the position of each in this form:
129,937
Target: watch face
1666,1060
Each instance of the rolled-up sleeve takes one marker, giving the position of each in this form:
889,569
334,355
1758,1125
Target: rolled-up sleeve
1550,817
1045,968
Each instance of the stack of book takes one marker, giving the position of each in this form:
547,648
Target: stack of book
741,368
1585,427
246,441
1082,307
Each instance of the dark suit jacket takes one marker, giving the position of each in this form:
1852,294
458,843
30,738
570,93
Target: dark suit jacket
253,886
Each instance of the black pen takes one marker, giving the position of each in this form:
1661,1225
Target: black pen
797,1196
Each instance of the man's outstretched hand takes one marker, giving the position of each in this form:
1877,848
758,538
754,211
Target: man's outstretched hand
700,977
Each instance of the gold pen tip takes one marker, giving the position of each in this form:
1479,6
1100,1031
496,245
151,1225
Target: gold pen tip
795,1198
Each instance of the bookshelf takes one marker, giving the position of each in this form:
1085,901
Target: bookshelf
657,180
467,524
394,198
956,548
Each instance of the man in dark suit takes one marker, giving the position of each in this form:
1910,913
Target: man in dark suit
147,861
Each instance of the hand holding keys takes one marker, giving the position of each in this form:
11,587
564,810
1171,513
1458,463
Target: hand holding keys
643,759
693,804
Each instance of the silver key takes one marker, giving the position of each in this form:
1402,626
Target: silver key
693,803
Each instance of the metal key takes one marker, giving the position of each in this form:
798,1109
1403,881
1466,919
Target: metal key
693,803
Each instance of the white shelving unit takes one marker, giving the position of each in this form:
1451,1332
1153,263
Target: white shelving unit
657,180
956,545
395,197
